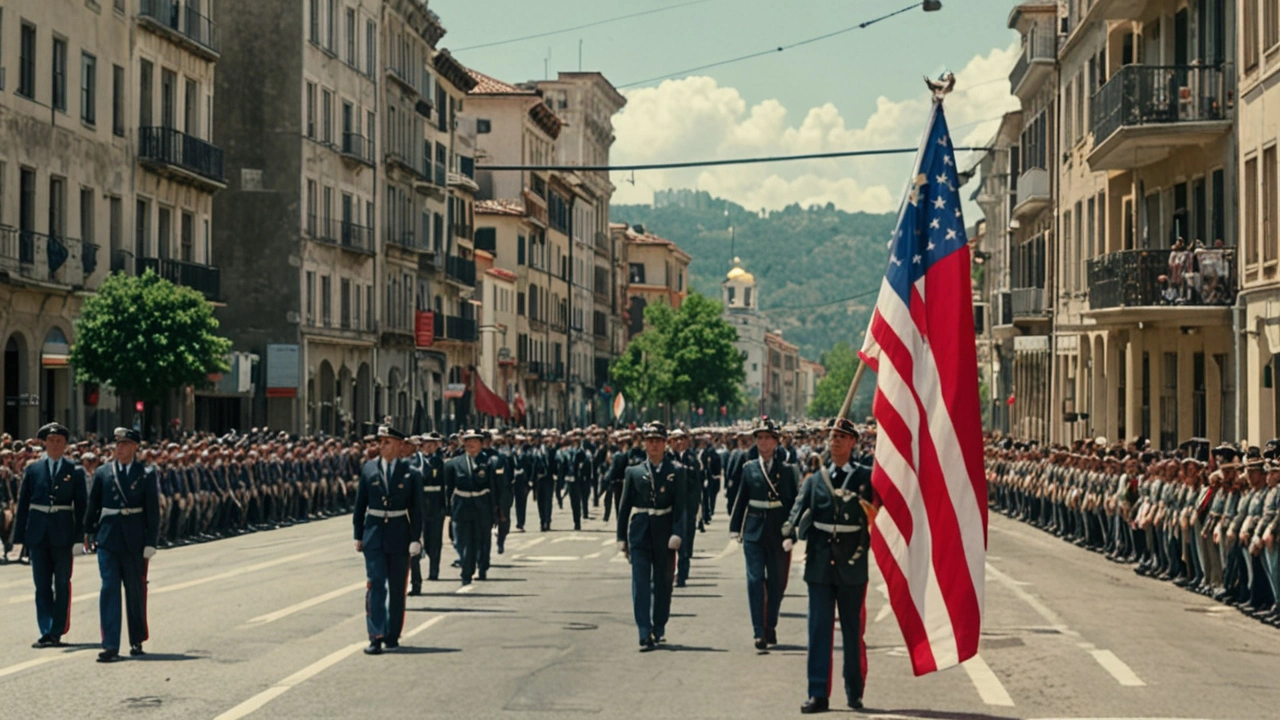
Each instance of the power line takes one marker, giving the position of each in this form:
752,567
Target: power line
596,23
780,48
708,163
822,304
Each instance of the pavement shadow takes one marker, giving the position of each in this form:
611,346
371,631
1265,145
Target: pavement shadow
690,648
414,650
168,657
788,648
503,579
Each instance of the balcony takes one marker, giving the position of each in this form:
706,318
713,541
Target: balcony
459,180
460,329
404,78
464,232
1039,54
184,156
602,243
407,240
122,261
205,279
51,259
182,24
357,148
534,368
1183,285
460,271
1029,303
1033,193
346,235
1145,113
395,157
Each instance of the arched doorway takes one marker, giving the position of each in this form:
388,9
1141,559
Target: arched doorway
360,402
342,401
15,360
326,398
55,379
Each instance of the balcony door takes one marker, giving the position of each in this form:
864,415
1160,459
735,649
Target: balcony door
168,99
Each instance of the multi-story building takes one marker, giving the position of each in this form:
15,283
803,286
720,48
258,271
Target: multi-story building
1032,226
496,288
106,165
296,226
503,233
782,397
514,126
741,299
1257,322
657,271
811,373
586,103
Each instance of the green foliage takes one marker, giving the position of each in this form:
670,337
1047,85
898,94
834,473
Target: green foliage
683,356
147,336
840,363
803,259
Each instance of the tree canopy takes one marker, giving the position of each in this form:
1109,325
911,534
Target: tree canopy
146,336
841,362
683,356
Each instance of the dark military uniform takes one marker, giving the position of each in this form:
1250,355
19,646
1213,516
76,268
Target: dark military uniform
835,568
51,505
693,506
469,483
648,513
387,520
503,467
436,508
123,514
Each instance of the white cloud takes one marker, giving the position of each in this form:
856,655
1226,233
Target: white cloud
694,118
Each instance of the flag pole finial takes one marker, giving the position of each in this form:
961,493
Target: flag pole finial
942,86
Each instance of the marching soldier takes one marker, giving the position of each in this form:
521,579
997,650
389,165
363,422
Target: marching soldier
470,485
714,472
436,507
51,505
388,525
545,477
122,522
693,501
831,515
503,466
524,458
767,490
649,533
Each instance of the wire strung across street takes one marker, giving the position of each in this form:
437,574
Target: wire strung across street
708,163
595,23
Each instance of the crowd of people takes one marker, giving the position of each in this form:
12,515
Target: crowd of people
1205,519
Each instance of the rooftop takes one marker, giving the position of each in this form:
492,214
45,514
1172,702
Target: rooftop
500,207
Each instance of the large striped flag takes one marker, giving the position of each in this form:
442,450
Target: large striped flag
930,537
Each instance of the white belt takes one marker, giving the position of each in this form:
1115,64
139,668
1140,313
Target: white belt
120,511
651,511
468,494
837,528
765,504
373,512
51,508
519,471
433,488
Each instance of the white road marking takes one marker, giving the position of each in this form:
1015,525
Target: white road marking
885,611
515,557
554,558
465,589
305,604
33,663
533,542
257,702
607,543
1118,669
986,683
234,573
1043,610
595,554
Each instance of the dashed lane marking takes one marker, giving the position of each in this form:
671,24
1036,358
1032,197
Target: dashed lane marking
989,687
305,604
1117,667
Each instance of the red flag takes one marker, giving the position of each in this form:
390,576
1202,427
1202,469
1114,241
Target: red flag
488,402
930,538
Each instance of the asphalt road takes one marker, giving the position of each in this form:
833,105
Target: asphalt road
271,625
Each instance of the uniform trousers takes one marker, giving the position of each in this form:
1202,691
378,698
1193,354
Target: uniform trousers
433,541
824,600
522,503
544,492
51,570
387,576
685,553
709,494
651,589
765,584
472,539
575,500
127,570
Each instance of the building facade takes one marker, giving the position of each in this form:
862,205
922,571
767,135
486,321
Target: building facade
657,271
106,165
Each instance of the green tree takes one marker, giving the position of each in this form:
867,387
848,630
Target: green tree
708,369
840,363
643,372
147,337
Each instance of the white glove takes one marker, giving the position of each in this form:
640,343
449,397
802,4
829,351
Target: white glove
148,552
622,546
735,536
415,549
788,544
674,543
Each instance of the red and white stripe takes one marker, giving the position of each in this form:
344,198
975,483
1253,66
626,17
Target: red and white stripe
931,534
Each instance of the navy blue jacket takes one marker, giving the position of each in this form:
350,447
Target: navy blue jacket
59,528
778,490
400,490
119,532
478,478
662,490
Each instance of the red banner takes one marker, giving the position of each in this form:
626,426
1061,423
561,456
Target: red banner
425,328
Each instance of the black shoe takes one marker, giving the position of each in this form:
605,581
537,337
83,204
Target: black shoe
415,592
466,581
136,650
391,644
44,642
433,578
771,637
648,644
762,644
679,583
815,705
500,549
56,641
577,526
855,703
108,656
375,648
457,564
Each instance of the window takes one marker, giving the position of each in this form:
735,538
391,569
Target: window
88,88
117,224
351,37
191,108
1270,23
1251,211
326,117
344,303
145,80
311,298
311,208
332,34
355,307
27,62
314,10
57,206
327,218
163,231
1269,209
117,100
368,307
326,302
1250,21
637,274
86,214
168,99
142,229
187,238
520,250
483,126
311,110
370,47
60,74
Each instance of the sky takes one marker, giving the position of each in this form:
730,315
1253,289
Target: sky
858,90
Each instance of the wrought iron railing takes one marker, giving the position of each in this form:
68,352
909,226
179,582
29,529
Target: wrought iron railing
1154,277
176,148
183,19
1139,95
205,279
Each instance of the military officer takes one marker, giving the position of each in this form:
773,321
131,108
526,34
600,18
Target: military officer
767,489
693,501
545,478
831,516
649,533
388,524
524,457
714,472
470,484
122,522
503,466
51,505
436,508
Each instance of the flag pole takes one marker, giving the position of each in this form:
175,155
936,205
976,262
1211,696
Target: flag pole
853,388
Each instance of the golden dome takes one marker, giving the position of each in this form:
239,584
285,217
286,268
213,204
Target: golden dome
740,275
